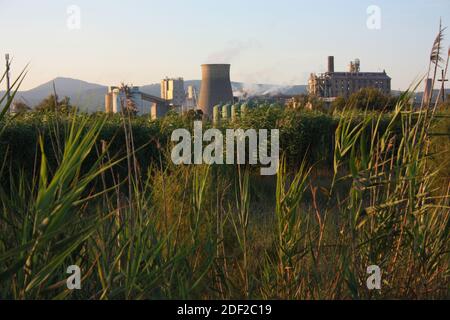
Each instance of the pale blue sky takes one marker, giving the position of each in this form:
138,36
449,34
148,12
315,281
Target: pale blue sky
266,41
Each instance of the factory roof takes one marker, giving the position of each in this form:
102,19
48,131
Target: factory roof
359,74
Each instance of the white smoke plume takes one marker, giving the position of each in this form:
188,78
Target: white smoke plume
249,90
232,51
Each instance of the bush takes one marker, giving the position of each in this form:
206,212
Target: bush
302,133
367,98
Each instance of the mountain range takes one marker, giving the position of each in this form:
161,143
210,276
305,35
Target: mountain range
91,96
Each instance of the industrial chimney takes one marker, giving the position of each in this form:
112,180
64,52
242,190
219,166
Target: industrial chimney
428,92
330,64
215,88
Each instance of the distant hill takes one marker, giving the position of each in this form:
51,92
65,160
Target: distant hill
89,96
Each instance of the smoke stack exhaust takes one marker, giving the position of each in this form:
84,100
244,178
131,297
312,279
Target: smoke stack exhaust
330,64
215,88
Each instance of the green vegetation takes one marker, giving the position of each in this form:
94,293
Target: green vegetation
367,99
223,232
302,133
354,189
53,103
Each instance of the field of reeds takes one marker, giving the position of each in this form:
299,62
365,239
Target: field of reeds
81,194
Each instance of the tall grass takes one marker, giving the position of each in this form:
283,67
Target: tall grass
222,232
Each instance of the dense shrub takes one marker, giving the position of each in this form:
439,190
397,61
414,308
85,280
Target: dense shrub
301,133
367,98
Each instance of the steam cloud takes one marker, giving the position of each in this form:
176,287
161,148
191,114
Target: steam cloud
232,51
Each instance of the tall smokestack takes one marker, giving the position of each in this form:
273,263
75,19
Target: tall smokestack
428,92
215,87
331,64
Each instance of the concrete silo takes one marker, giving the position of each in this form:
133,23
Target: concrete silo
108,103
116,100
216,115
226,112
235,112
215,88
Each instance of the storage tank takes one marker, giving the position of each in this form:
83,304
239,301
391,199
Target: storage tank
116,103
108,103
226,112
244,109
215,88
235,112
216,115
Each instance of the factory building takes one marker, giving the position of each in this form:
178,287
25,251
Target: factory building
333,84
116,100
172,90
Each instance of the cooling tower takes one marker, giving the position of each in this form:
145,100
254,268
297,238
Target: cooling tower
216,87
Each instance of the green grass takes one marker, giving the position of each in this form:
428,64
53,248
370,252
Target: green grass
225,233
147,229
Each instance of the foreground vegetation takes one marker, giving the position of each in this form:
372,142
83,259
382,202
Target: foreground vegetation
85,190
223,232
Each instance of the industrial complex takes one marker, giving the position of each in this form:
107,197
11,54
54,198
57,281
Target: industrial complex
119,98
216,90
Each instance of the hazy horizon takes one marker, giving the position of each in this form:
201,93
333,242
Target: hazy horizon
274,42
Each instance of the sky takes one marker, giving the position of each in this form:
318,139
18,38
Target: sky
266,41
